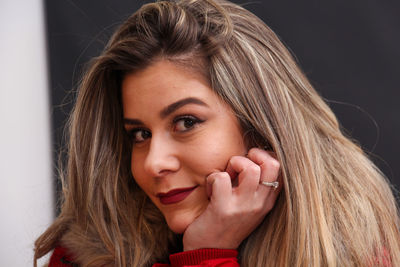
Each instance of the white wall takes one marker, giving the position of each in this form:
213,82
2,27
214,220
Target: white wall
26,202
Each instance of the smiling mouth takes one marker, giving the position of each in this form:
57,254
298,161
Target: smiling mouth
175,195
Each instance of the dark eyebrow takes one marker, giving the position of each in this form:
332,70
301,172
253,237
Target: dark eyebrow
132,121
180,103
169,109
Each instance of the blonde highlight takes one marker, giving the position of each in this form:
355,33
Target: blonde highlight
336,208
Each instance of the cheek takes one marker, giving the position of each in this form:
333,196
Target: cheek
137,171
214,154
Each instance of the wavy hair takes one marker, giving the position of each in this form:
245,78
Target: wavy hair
336,208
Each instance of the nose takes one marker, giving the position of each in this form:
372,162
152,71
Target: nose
162,156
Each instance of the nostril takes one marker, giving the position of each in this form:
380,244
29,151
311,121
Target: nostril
164,173
161,158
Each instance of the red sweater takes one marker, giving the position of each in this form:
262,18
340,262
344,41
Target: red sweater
201,258
208,257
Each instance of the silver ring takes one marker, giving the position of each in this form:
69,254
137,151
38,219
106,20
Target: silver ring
272,184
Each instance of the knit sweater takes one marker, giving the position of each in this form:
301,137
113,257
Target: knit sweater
208,257
194,258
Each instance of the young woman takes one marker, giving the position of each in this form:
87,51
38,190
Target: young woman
197,141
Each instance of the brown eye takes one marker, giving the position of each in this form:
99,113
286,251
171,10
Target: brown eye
139,135
186,123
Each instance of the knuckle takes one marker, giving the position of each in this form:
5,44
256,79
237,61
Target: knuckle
217,177
218,174
235,159
225,175
274,164
221,178
212,175
253,151
255,169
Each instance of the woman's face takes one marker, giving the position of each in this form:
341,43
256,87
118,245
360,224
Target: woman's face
181,133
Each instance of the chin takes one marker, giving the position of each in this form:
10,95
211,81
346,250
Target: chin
178,225
179,217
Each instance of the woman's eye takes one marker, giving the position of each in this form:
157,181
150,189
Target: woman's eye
139,135
183,124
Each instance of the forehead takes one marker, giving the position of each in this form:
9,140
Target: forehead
162,83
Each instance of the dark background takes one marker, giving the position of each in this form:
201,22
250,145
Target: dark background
348,49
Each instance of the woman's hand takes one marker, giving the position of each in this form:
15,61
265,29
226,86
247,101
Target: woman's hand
235,211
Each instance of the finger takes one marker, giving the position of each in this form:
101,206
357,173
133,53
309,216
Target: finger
269,165
219,187
271,196
248,174
270,171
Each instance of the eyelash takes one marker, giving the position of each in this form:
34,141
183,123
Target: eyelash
133,134
184,119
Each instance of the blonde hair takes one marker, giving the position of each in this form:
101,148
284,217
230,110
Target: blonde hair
336,208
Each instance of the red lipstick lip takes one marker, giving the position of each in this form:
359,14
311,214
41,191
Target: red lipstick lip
175,195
